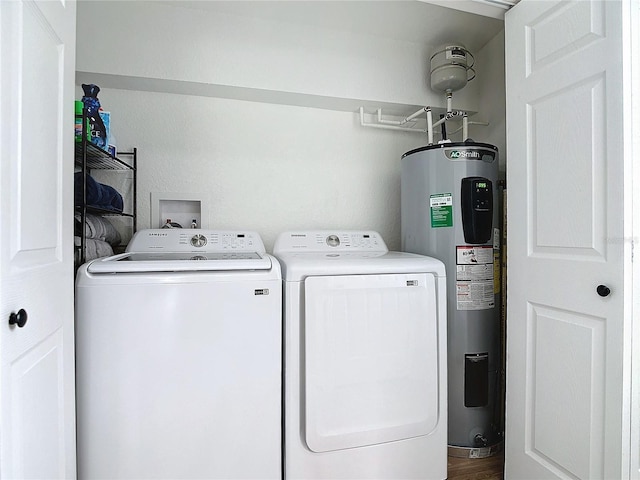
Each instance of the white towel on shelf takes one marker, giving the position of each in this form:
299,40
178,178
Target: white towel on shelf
99,228
94,248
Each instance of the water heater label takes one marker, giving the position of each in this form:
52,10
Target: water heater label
441,210
475,277
464,154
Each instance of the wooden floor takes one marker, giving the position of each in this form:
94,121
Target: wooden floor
490,468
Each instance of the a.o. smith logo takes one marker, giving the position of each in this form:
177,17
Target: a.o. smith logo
463,154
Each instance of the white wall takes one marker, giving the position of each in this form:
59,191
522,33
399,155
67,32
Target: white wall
157,40
492,105
262,166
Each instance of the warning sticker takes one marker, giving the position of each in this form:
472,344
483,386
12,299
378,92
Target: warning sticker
475,277
441,205
476,255
474,272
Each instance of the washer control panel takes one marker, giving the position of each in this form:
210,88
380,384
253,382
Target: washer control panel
328,241
199,240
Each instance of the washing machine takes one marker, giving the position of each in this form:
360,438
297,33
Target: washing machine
365,393
179,359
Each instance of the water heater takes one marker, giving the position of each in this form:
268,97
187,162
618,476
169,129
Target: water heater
449,210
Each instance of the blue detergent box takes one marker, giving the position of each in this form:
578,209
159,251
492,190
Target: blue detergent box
97,134
106,119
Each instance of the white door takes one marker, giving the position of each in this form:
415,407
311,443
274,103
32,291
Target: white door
37,64
569,302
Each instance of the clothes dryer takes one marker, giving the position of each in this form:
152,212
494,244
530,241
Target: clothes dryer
365,359
178,359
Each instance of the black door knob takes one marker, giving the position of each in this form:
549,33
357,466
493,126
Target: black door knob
19,319
603,290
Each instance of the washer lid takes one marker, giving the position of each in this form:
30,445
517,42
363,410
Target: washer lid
186,250
139,262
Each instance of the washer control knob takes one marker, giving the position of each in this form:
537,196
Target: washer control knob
198,240
333,240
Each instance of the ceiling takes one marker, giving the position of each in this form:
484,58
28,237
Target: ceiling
404,20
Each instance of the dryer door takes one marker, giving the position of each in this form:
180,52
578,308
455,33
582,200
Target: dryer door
370,360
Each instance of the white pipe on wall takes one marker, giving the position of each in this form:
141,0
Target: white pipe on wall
430,126
387,127
450,115
465,127
403,121
396,124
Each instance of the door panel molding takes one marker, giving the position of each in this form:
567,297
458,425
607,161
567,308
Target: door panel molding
567,181
553,35
565,381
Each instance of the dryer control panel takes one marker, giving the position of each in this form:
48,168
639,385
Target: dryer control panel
329,240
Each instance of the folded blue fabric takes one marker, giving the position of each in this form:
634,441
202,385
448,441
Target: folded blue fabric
98,194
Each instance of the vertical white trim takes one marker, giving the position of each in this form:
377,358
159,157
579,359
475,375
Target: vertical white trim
633,130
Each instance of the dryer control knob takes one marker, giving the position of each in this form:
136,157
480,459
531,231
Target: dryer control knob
333,240
198,240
